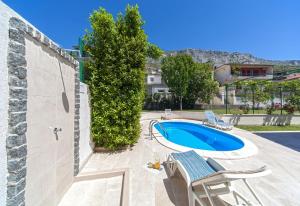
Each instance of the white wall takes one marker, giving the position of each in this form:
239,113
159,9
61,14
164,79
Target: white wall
4,18
51,102
85,143
156,79
223,74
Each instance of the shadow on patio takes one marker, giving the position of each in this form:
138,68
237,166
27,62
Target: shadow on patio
288,139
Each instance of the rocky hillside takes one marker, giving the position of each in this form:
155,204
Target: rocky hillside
220,57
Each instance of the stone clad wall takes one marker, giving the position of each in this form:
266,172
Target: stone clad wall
16,140
76,123
4,24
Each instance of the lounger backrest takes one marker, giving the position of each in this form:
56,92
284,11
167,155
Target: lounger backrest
168,112
210,117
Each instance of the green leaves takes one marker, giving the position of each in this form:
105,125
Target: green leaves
176,71
202,86
261,91
190,81
154,51
118,51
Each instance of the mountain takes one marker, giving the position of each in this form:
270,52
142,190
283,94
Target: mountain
221,57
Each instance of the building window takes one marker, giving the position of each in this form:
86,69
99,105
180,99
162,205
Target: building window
256,72
246,72
151,79
253,72
161,90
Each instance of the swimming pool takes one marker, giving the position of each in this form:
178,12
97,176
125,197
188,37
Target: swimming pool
186,135
199,137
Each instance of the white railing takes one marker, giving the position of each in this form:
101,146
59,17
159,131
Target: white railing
152,123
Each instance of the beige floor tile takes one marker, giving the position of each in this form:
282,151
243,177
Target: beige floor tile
279,188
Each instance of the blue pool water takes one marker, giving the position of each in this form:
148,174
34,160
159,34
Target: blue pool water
199,137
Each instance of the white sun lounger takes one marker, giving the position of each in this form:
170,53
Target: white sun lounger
167,114
214,121
207,178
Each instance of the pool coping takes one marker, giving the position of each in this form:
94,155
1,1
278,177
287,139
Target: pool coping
248,150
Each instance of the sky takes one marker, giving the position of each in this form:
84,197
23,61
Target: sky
268,29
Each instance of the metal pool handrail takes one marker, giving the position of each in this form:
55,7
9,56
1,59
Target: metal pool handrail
151,124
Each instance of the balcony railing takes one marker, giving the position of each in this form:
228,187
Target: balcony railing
266,76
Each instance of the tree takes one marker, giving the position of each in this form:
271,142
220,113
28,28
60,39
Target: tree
154,51
188,80
201,85
292,88
118,50
254,91
176,72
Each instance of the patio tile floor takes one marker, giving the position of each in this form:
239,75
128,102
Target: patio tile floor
147,188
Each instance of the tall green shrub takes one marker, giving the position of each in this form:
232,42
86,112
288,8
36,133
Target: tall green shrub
118,52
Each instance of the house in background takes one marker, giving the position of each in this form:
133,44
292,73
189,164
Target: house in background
226,73
154,81
229,73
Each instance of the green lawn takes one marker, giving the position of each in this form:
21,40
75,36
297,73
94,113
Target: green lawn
269,128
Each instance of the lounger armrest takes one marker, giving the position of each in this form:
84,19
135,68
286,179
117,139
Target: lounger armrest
223,176
215,165
219,120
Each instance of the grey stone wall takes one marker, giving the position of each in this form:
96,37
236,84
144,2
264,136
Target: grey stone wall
76,122
16,141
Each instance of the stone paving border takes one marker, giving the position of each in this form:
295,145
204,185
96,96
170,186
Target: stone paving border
124,201
16,143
